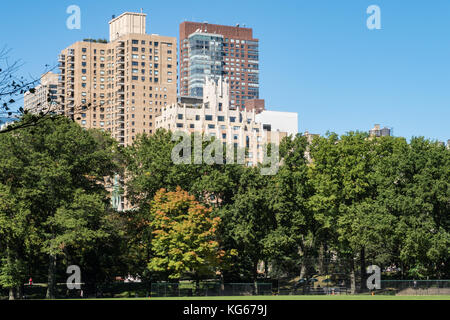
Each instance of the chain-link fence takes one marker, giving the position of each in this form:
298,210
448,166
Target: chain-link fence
107,290
415,287
143,290
313,286
166,289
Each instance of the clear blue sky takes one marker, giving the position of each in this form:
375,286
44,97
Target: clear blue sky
317,57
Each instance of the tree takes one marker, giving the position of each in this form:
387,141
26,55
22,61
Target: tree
292,243
149,169
14,241
414,188
343,176
248,221
56,171
184,236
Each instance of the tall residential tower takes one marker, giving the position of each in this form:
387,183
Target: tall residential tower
119,86
211,51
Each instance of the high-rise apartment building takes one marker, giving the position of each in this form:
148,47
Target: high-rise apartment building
37,101
211,51
119,86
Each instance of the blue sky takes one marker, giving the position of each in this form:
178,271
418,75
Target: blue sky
317,57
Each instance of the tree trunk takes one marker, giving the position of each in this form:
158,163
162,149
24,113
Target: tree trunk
222,282
19,291
321,261
326,257
302,270
197,285
255,278
51,277
362,261
352,277
305,268
266,269
12,294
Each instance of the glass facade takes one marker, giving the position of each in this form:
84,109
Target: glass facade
206,60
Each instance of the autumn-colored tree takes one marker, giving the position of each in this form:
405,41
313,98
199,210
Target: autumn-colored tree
185,237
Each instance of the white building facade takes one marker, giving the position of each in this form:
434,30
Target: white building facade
279,121
38,101
214,117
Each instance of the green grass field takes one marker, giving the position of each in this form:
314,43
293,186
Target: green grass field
329,297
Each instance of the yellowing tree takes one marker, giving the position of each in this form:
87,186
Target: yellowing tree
185,236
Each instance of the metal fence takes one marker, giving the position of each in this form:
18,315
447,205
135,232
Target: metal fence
310,290
167,289
415,287
108,290
210,288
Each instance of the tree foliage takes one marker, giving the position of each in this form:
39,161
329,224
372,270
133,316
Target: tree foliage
185,236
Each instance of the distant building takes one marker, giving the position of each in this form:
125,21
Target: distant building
37,101
4,123
376,131
215,117
211,51
255,104
125,81
190,100
279,121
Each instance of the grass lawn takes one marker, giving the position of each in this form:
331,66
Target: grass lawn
291,297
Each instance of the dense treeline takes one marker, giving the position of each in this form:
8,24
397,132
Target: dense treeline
360,201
